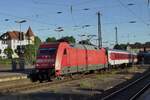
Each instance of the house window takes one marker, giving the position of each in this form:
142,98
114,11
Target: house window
3,42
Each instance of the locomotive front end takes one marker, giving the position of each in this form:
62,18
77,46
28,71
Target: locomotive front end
45,63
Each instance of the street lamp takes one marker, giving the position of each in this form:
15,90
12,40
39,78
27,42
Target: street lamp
132,21
20,33
21,51
20,22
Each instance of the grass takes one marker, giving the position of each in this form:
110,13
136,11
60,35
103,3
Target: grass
5,62
106,74
86,84
132,69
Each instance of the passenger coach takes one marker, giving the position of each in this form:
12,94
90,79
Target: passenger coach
120,57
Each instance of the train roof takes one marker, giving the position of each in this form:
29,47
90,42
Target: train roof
125,51
74,45
84,46
116,50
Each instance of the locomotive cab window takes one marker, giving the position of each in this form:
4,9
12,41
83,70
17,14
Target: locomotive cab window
47,51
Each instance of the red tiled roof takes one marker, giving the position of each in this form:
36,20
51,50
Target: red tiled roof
15,34
11,35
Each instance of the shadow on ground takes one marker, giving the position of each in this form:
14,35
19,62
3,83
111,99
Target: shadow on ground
25,71
67,96
49,96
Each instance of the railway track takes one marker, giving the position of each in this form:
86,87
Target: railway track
132,91
34,86
29,86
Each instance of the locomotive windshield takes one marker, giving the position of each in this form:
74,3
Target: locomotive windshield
47,51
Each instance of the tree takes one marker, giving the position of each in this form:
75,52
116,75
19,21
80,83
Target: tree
30,50
137,44
147,43
8,51
117,46
51,39
120,47
69,39
30,53
37,41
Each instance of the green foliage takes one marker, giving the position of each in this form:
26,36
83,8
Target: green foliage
147,43
51,39
30,53
137,44
36,44
120,47
69,39
37,41
8,51
5,61
86,84
31,50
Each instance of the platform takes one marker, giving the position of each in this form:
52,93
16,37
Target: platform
6,73
5,76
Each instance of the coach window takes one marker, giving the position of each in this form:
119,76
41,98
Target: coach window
65,52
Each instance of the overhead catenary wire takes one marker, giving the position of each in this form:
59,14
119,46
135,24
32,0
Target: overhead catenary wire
84,2
62,4
134,14
41,22
49,4
72,17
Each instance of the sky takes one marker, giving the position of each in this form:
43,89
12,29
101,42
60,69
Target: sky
131,17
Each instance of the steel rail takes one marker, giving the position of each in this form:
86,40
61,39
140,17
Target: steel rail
126,87
29,86
138,94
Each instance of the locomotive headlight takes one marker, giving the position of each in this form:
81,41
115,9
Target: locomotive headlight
37,65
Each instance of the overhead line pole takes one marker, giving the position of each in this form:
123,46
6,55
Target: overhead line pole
116,35
99,31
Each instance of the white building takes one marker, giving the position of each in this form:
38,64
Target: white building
15,40
3,46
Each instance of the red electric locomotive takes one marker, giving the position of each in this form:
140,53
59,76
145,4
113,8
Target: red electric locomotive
57,59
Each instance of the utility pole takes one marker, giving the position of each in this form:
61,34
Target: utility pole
116,35
99,31
21,49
